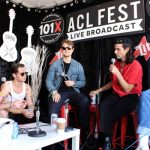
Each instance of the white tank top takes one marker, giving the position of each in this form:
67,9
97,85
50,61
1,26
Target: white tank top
16,96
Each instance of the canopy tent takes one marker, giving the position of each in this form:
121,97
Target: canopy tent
41,4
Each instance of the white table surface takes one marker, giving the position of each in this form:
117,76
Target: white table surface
24,142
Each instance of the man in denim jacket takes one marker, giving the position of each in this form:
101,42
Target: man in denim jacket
64,78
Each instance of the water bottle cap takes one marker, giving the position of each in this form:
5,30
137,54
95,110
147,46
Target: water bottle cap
107,139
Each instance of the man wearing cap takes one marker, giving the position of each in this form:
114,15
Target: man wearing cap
126,85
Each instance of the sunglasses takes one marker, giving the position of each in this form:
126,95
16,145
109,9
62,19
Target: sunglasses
23,73
64,48
123,41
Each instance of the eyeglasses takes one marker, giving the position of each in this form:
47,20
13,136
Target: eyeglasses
64,48
23,73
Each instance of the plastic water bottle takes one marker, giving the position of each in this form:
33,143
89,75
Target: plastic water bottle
15,131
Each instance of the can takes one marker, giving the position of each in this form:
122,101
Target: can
54,118
30,109
93,100
15,131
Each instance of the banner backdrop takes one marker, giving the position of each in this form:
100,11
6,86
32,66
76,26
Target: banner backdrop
105,20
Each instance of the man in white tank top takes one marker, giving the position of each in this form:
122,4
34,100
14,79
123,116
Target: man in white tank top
16,95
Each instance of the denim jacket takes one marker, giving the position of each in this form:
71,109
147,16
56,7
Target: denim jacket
56,72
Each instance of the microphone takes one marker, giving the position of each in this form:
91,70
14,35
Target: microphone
38,132
113,60
3,79
64,76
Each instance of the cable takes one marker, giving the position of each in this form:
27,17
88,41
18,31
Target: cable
64,75
86,142
22,131
137,140
26,130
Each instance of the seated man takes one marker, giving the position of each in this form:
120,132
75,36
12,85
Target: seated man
15,95
126,85
144,121
64,79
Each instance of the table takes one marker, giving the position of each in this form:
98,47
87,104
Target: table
24,142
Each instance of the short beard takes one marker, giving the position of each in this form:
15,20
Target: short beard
118,58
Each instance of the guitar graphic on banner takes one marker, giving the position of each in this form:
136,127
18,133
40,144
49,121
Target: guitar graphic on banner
8,50
29,54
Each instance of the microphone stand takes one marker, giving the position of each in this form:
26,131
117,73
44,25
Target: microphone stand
66,112
38,132
67,128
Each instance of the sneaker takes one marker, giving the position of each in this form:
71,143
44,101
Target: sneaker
138,148
107,145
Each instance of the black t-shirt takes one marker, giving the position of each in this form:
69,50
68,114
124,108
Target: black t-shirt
63,87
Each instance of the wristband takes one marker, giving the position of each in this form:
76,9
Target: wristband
54,92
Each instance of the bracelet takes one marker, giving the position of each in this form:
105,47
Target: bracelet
54,92
31,108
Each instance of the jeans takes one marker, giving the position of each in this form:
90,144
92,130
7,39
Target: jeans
113,107
144,113
76,99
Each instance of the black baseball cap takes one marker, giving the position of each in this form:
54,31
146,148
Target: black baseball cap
123,40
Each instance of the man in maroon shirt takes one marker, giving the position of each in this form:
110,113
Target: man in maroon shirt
126,84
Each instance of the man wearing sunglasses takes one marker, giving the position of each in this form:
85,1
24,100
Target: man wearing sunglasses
16,95
64,79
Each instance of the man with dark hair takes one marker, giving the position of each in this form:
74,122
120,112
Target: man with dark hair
15,95
64,78
126,84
